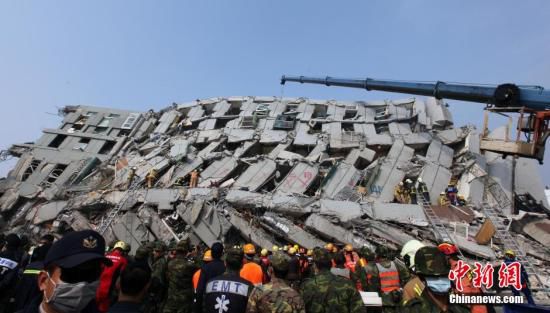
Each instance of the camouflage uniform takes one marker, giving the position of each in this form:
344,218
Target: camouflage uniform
179,275
429,261
326,292
276,296
157,291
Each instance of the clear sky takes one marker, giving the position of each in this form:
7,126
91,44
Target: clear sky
147,54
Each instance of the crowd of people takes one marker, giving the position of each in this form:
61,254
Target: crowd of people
78,273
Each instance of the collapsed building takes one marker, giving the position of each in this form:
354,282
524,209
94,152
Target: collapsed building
274,171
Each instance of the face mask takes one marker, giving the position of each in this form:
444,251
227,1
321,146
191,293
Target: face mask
438,285
71,298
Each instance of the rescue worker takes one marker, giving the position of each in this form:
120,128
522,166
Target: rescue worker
423,189
171,250
308,272
362,274
71,274
208,271
179,276
106,292
293,275
431,289
351,257
131,176
451,253
27,286
451,194
398,193
264,263
205,259
340,268
194,180
461,200
251,271
388,277
325,292
443,200
277,295
151,178
9,267
510,257
228,293
157,292
408,251
412,191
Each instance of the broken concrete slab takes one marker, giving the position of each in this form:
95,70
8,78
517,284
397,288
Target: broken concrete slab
412,214
291,232
205,221
334,233
252,233
340,182
48,211
344,211
390,173
256,175
440,154
436,178
217,172
298,179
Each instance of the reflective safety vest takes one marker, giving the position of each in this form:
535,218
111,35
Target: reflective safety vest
389,278
196,277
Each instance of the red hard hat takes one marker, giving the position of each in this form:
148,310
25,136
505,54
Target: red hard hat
448,248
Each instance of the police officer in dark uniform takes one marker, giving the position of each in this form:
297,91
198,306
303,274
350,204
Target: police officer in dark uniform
228,293
71,273
9,267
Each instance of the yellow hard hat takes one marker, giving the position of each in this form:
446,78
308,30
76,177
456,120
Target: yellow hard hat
249,249
121,244
309,252
510,252
329,247
285,248
275,249
334,249
292,250
296,247
263,252
348,248
207,256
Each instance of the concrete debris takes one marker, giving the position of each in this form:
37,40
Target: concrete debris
273,171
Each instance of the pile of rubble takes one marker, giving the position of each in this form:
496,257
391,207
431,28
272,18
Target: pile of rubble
275,171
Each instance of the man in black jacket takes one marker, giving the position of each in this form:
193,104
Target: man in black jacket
210,270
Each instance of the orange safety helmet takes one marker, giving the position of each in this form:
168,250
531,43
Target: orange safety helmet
348,248
329,247
448,248
249,249
207,256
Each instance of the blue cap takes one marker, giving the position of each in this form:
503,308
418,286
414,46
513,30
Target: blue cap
76,248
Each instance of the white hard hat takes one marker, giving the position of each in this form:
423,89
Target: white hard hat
410,249
419,179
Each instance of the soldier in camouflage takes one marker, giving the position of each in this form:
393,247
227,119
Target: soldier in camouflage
276,296
157,291
179,276
328,293
432,286
388,278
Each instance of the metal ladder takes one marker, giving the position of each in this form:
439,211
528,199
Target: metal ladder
495,189
106,222
510,242
439,229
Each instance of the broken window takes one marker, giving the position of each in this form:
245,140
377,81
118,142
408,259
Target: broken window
57,141
30,169
82,144
101,130
320,112
130,121
350,112
291,108
107,147
381,113
234,109
55,173
106,120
